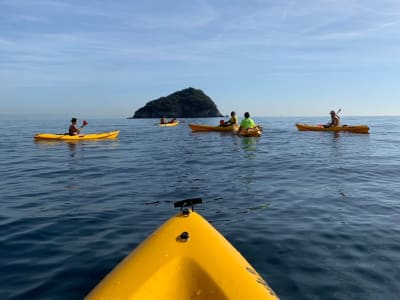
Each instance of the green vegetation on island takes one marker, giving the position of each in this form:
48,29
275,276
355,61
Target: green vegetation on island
187,103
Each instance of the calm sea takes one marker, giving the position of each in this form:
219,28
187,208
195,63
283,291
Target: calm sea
317,214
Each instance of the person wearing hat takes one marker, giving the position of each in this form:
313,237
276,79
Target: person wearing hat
335,120
73,128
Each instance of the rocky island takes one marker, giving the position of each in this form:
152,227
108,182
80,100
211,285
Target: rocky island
187,103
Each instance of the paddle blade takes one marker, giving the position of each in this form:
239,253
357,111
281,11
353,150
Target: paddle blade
84,123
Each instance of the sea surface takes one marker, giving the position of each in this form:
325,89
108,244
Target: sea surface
317,214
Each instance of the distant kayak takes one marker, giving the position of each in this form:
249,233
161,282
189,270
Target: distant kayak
67,137
199,127
185,258
354,129
169,124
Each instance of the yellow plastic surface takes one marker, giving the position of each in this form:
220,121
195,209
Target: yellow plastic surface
199,127
169,124
166,267
67,137
354,129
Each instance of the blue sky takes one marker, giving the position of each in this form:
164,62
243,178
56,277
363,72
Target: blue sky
271,58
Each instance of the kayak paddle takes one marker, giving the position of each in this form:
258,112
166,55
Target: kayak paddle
84,123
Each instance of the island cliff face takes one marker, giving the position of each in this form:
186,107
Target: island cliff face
187,103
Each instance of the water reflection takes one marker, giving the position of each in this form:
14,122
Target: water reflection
71,145
72,148
249,143
336,136
249,146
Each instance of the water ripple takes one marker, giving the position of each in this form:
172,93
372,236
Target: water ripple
315,213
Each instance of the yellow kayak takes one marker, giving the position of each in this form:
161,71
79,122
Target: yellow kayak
67,137
169,124
199,127
354,129
186,258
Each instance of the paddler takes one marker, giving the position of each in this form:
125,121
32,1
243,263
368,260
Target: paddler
247,123
73,128
172,121
234,120
335,120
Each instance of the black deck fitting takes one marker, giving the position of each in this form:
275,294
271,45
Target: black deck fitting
188,202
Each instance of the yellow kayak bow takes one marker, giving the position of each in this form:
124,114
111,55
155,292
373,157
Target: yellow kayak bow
185,258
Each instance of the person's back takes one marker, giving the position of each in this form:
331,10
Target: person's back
247,122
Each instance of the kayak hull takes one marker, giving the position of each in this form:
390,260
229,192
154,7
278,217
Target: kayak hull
67,137
167,265
255,132
169,124
200,127
346,128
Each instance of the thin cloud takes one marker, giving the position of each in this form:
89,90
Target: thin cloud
278,35
6,43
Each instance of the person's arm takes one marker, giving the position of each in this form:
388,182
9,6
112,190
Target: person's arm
330,124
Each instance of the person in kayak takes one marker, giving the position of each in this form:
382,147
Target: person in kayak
172,121
162,121
247,123
73,128
234,120
335,120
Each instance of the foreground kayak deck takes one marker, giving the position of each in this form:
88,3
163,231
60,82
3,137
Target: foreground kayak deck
67,137
185,258
200,127
354,129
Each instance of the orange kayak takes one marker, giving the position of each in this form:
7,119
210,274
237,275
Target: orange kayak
257,131
199,127
348,128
